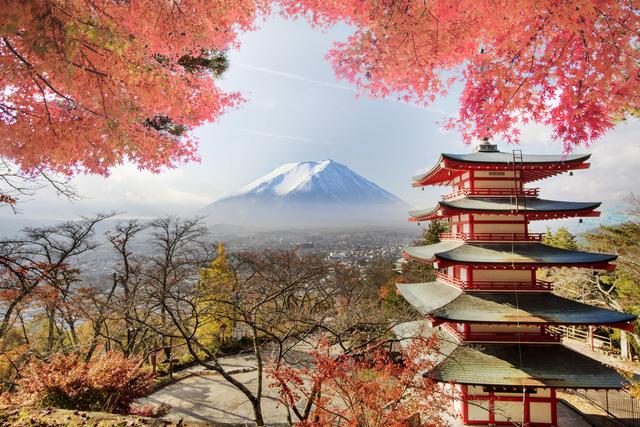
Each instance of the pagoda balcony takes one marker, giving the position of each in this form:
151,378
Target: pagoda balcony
480,285
494,237
492,192
528,337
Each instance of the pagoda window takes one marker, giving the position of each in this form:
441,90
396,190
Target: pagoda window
463,274
497,179
496,183
502,275
504,328
500,224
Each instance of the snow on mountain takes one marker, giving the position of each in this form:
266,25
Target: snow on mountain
316,193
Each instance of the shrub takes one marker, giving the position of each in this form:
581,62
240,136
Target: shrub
109,382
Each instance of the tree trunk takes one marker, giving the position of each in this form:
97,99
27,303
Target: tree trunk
257,412
51,329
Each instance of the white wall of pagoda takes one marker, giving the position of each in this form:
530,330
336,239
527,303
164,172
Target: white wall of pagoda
481,406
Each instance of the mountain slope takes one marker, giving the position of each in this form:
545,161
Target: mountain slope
308,193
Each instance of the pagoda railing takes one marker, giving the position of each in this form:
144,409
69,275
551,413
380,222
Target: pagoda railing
493,192
503,336
484,285
513,336
498,237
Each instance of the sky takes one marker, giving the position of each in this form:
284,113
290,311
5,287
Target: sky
296,110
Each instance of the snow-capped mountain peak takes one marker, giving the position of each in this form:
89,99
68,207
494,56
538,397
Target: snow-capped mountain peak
286,178
319,192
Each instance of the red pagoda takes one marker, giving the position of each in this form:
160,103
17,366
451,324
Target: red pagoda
492,313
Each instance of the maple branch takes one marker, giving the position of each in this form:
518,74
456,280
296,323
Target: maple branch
38,75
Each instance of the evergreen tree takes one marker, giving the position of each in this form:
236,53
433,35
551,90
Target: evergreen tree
548,237
431,234
562,239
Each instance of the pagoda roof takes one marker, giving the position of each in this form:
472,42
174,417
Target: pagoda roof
440,300
520,254
502,157
535,166
534,207
529,365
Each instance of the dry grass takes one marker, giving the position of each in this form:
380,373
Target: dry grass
51,417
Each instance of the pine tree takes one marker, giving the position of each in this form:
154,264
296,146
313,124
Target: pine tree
562,239
432,234
216,281
548,237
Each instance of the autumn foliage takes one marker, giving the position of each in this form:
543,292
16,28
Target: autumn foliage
375,388
88,85
572,65
110,382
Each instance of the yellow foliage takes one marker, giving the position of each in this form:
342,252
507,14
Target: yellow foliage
216,283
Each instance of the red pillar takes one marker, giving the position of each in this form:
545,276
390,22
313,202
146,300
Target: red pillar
492,408
554,408
465,405
527,409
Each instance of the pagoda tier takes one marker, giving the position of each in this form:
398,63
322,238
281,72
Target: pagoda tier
443,302
508,256
529,365
487,306
531,209
487,165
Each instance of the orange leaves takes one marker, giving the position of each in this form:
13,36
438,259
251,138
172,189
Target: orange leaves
570,65
109,382
80,78
375,388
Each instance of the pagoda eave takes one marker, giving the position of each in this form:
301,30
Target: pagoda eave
529,365
606,266
625,326
443,263
448,169
446,303
528,215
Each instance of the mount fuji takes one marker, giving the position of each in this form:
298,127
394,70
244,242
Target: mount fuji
324,193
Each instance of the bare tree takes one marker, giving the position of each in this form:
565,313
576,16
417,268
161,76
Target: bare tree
284,302
19,277
15,185
57,247
179,249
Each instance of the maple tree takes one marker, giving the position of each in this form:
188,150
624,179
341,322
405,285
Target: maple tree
572,65
372,388
87,85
